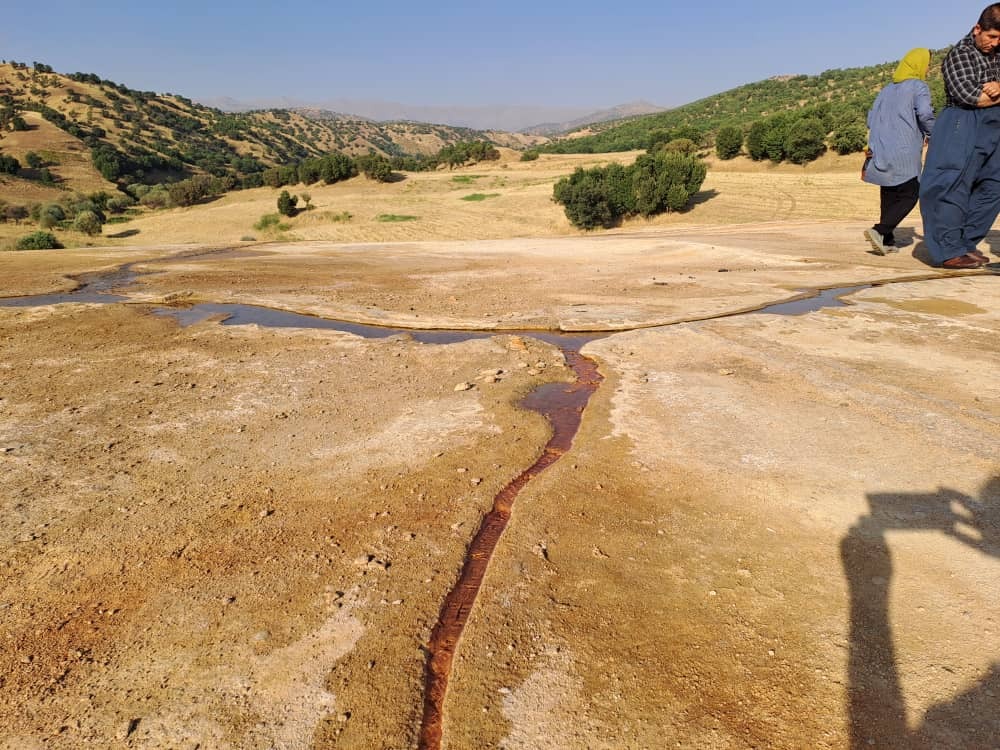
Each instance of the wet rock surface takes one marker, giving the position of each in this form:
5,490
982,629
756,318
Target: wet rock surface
768,529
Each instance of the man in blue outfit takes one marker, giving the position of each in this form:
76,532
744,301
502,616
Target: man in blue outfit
960,185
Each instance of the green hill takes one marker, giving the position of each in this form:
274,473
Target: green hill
839,97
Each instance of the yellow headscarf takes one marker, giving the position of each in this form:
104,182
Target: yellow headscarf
913,65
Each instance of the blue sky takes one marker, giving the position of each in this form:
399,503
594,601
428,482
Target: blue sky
585,54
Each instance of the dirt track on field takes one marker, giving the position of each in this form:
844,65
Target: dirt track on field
776,532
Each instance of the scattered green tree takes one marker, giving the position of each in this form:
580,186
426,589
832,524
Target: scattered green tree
805,140
850,139
38,241
9,165
287,204
375,167
728,142
87,222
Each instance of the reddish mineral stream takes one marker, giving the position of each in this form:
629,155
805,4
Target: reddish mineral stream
563,406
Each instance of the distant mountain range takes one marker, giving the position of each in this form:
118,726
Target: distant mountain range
509,118
632,109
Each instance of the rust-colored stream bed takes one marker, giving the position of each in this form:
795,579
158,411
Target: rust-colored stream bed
562,404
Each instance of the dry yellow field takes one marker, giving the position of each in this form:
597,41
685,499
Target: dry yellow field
519,204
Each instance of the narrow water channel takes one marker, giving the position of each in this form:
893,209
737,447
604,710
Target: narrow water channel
560,403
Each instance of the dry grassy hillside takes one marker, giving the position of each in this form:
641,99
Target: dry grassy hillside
493,200
166,137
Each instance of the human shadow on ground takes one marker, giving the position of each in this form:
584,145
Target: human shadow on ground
993,242
877,706
905,236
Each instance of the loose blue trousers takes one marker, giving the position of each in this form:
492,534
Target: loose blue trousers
960,184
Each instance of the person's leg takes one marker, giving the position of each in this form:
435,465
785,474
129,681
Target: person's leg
984,201
946,183
897,202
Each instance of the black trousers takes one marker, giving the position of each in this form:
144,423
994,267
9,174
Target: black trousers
897,202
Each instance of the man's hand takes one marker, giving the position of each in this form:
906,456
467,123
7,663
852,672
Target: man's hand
992,89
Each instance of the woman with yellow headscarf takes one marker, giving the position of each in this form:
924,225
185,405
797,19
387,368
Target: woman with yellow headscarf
899,122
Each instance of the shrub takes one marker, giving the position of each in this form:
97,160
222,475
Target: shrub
656,175
479,196
601,197
395,217
38,241
51,215
287,204
586,201
755,141
775,138
805,140
728,142
684,146
850,139
529,155
9,165
117,204
267,221
87,222
157,197
33,160
375,167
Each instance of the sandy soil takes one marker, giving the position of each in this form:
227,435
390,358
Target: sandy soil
771,531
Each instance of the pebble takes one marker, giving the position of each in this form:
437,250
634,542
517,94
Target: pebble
262,635
725,371
504,691
464,386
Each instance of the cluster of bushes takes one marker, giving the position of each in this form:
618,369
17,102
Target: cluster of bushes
76,212
10,116
465,152
655,183
38,241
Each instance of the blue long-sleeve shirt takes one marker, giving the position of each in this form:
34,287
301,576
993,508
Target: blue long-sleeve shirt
898,121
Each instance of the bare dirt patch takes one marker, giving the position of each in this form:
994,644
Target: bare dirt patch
770,531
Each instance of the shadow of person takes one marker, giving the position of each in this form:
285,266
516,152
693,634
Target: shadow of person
904,236
921,253
876,704
992,241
